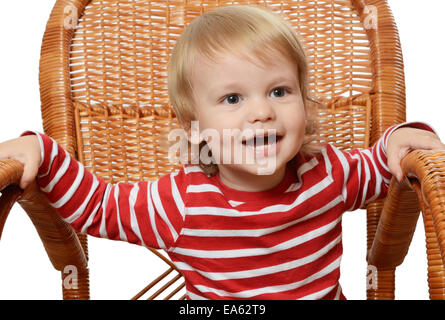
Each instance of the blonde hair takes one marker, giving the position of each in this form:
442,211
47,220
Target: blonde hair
233,29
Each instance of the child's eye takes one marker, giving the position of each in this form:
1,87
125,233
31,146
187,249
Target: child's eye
280,91
232,99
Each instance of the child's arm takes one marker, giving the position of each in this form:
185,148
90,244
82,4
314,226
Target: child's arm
146,213
364,175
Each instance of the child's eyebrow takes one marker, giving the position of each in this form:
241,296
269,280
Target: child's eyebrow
228,86
225,87
284,79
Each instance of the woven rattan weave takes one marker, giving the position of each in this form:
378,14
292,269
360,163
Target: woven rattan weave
103,78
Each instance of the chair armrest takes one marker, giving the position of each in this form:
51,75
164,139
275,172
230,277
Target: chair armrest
59,239
423,188
11,172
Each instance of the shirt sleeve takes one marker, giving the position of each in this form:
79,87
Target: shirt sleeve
363,174
148,213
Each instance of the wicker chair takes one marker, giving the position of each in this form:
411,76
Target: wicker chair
104,99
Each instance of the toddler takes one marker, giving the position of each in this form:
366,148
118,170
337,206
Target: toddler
260,216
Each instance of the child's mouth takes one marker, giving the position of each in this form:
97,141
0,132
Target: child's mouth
262,141
263,145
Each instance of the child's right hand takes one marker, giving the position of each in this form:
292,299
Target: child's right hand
26,150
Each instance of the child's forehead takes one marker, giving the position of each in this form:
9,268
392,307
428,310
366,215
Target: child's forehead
220,70
259,58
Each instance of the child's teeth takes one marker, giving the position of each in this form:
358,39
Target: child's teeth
261,143
261,146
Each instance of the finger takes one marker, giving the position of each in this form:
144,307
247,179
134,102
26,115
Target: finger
427,141
432,145
397,172
29,174
438,145
394,160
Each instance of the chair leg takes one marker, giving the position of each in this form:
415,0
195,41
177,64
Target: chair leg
76,281
436,270
373,213
380,283
382,286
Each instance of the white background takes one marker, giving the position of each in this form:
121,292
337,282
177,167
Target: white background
118,270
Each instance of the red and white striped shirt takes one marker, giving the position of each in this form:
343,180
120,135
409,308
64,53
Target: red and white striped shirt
284,243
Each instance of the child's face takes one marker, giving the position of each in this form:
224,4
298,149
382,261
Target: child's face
236,95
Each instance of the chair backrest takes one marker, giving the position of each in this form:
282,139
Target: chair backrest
104,75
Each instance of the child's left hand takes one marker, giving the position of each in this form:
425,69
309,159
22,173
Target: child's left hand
405,139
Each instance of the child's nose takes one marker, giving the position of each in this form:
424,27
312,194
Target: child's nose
261,110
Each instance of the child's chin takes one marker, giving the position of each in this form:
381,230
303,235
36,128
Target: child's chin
258,169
